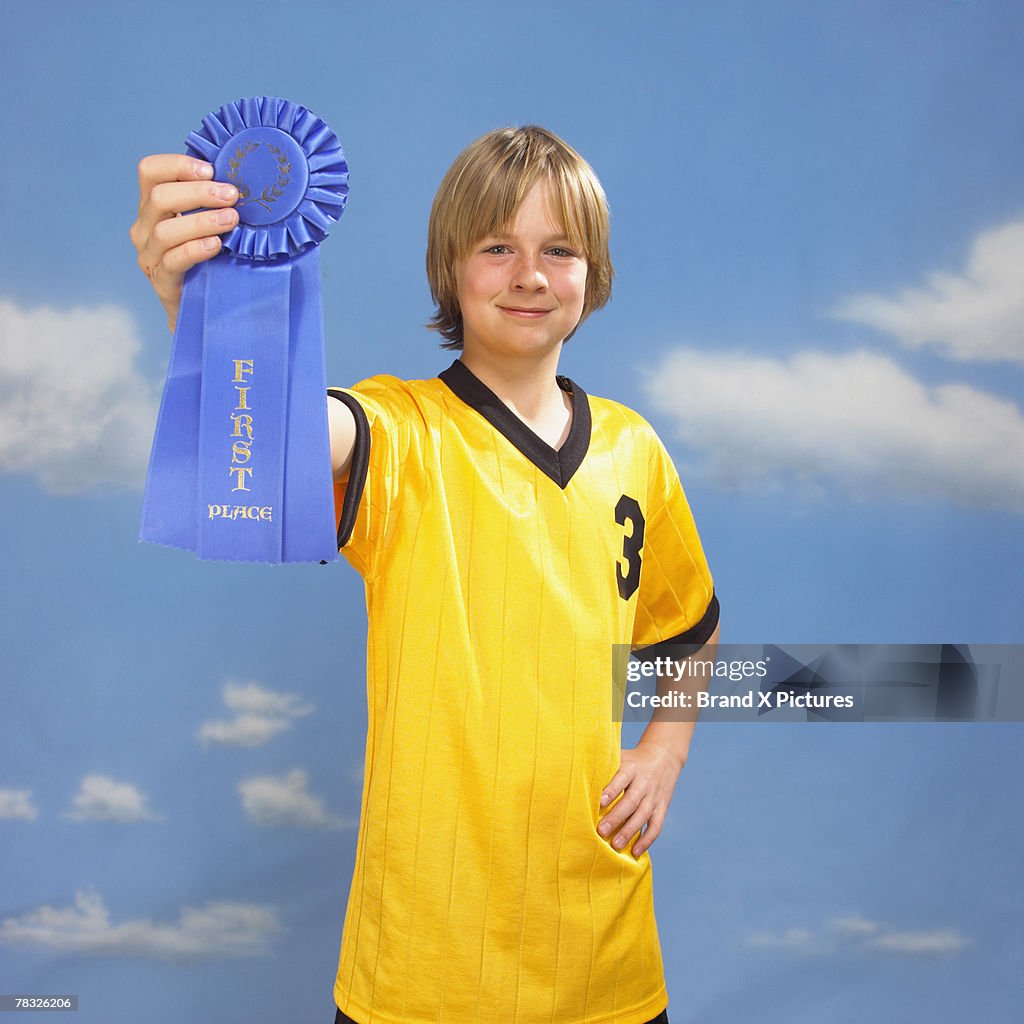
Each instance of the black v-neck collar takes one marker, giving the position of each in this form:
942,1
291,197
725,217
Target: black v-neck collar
558,464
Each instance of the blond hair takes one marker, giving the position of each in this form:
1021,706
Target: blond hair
480,196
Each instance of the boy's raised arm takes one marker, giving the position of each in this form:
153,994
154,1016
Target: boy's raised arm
182,214
342,426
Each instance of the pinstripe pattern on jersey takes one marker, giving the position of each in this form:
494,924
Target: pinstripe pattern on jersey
482,891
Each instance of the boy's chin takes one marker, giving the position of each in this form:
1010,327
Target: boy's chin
516,345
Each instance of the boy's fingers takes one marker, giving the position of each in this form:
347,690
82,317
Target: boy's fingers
170,167
620,780
621,813
172,183
633,824
166,275
651,833
176,261
182,172
175,244
166,199
174,231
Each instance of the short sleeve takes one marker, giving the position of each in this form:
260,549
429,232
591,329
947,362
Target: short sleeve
676,599
366,499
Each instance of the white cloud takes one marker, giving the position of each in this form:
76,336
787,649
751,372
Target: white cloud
856,934
254,699
17,803
285,802
75,412
794,940
103,799
214,929
936,942
855,421
854,925
978,314
243,731
259,715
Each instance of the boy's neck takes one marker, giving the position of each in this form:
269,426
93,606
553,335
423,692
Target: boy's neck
528,387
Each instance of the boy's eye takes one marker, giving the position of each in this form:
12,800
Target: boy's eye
559,251
498,250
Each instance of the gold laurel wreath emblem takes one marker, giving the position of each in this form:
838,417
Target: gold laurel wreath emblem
271,193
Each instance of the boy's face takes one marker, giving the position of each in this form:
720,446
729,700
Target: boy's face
521,292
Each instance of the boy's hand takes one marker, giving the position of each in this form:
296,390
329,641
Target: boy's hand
168,244
646,779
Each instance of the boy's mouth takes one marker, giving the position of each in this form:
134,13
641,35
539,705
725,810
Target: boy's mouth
524,311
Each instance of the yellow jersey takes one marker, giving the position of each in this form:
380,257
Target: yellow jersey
499,574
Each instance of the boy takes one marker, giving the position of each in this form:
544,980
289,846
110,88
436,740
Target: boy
509,529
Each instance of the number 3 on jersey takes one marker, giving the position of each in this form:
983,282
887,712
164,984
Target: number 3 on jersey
628,510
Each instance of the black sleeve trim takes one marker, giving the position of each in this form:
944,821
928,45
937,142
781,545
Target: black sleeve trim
357,471
696,636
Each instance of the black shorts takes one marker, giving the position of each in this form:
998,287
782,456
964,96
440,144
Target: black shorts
662,1018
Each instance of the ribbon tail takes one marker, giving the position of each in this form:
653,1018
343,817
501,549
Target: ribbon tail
243,411
241,467
169,502
309,523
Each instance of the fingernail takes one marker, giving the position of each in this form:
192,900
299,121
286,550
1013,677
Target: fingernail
225,216
224,191
620,842
209,244
204,170
604,829
605,800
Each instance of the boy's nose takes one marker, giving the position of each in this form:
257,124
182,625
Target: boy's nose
528,274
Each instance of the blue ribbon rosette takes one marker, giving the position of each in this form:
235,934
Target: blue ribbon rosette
240,468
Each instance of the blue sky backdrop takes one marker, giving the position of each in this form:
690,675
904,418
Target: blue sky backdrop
818,230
